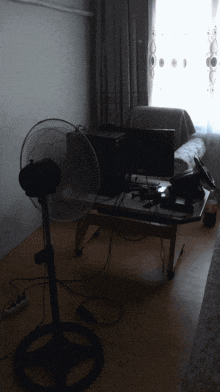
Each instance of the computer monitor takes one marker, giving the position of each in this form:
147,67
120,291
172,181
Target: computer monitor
150,152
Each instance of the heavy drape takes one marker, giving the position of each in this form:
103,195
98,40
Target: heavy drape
120,58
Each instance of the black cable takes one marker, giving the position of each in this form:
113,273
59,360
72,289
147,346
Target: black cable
87,315
81,310
131,239
162,250
58,281
63,282
29,279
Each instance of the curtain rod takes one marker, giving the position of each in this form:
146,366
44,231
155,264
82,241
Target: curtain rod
54,6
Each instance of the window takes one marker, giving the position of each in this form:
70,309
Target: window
183,59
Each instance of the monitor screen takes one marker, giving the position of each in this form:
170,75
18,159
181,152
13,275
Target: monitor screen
150,152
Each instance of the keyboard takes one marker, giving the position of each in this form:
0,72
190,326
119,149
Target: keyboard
142,180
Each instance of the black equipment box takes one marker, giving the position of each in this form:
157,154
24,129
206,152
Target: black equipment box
109,144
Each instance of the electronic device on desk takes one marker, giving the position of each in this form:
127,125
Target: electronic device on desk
169,200
190,183
121,151
108,142
187,188
151,154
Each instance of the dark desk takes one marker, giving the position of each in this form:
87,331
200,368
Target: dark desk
125,212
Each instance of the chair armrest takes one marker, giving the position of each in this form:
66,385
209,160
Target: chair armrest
184,155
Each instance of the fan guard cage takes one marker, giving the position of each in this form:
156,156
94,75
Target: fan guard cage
71,150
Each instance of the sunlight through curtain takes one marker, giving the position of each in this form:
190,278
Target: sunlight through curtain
183,67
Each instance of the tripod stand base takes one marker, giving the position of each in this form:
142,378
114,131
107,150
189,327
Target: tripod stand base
57,357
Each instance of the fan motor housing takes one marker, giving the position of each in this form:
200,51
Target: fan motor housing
41,178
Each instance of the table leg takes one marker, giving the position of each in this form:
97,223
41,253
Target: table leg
101,220
170,267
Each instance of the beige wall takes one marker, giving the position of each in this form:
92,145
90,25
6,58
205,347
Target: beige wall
44,73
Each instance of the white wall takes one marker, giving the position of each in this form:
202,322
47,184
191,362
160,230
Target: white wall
44,73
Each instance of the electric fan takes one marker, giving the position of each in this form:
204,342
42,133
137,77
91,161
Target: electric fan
60,173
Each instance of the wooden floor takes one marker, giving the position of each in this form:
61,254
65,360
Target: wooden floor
148,348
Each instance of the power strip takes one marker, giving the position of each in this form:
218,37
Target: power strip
14,309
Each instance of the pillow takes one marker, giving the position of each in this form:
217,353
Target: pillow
184,155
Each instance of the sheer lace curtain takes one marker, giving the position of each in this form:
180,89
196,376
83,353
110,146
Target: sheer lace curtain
183,65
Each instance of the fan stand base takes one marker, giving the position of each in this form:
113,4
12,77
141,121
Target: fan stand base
57,357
